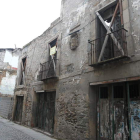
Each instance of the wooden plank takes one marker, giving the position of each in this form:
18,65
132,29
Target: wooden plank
103,48
121,12
115,81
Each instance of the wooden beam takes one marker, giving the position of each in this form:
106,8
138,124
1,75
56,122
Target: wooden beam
115,81
114,15
121,12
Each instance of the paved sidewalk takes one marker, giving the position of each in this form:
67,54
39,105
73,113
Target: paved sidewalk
12,131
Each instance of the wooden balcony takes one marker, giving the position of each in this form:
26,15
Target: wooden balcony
47,70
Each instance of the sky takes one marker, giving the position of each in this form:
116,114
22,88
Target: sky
23,20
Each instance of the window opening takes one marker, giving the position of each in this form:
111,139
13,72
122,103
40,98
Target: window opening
134,91
103,92
53,49
23,68
48,69
118,92
110,42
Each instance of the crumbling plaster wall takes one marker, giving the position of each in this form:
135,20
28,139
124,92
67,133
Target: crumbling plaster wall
36,52
72,100
83,13
72,115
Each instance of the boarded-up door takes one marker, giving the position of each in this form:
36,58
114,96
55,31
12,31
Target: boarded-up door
46,111
118,112
111,113
19,108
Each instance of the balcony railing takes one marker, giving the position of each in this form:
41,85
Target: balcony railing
111,47
47,70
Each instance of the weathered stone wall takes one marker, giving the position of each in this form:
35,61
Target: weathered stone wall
82,12
74,110
36,52
6,106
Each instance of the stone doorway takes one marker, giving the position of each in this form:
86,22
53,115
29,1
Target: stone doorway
45,111
19,109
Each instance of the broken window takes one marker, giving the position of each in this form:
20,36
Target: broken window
110,42
48,69
53,49
22,74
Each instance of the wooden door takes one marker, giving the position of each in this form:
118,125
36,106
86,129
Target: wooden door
19,108
46,111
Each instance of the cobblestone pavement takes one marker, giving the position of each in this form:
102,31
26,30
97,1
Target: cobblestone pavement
9,133
12,131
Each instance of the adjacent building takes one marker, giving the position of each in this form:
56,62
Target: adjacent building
8,73
80,79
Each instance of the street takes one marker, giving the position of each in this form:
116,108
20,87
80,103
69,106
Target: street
12,131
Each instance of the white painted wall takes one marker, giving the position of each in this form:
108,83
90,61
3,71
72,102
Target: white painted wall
8,84
11,59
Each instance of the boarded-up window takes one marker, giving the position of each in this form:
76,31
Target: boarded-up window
22,74
110,41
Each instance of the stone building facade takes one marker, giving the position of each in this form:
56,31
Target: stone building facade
79,80
8,70
8,74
